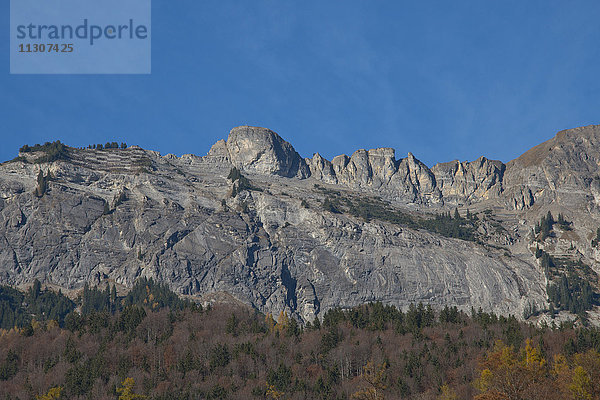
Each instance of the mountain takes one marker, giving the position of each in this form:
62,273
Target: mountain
255,222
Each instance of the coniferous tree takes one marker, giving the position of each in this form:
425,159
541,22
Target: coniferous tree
113,298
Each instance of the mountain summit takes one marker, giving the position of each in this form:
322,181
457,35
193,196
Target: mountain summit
255,222
262,151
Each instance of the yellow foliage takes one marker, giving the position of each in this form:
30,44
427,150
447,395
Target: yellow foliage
35,325
51,324
53,394
561,372
367,394
581,385
283,322
11,331
533,358
491,396
560,366
484,381
270,322
375,377
447,393
126,390
273,393
509,374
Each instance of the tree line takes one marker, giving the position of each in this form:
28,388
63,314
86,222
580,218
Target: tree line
150,344
25,309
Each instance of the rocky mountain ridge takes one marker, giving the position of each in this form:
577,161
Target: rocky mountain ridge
269,237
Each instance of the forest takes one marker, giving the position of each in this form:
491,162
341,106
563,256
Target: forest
151,344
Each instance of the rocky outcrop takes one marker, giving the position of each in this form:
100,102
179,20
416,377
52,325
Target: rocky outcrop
259,150
561,170
467,182
117,214
378,171
321,169
263,151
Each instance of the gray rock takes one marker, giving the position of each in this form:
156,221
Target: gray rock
119,214
262,150
464,182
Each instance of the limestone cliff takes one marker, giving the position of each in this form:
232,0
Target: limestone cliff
118,214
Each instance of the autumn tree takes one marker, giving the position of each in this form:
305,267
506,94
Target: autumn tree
270,322
447,393
273,393
585,376
283,322
374,377
126,390
53,394
508,374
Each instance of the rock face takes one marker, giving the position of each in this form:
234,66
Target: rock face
115,215
469,181
263,151
564,169
377,170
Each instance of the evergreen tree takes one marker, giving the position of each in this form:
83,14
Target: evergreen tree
36,289
113,298
317,324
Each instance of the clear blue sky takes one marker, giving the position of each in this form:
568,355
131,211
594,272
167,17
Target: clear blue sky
443,79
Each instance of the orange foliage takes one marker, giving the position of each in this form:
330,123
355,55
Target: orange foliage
507,374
